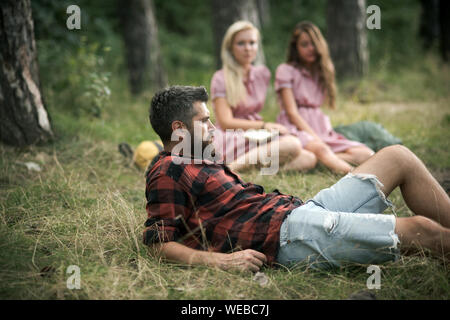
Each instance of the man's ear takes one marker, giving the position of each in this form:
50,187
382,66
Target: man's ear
177,124
178,128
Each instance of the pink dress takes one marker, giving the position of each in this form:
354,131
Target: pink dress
231,143
309,97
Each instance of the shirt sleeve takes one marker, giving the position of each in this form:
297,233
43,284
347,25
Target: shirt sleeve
168,207
218,88
283,77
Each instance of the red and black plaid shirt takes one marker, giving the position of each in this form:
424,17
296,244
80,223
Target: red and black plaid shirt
206,206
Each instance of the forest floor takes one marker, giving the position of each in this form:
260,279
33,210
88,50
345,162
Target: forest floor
86,207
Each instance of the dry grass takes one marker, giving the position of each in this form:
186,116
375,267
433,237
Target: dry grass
86,208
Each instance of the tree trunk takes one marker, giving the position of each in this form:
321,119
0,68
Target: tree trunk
23,116
347,38
142,49
444,22
264,12
225,13
429,22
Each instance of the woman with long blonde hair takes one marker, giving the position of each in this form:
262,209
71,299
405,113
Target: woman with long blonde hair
303,84
238,93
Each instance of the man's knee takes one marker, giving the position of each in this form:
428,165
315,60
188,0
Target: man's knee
397,149
400,154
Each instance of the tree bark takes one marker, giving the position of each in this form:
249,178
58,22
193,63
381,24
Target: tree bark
444,23
140,33
264,12
429,22
23,116
347,37
225,13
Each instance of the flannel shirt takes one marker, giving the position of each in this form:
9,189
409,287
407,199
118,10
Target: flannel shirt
208,207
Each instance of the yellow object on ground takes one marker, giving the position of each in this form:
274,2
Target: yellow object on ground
145,152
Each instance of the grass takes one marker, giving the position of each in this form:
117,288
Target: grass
87,205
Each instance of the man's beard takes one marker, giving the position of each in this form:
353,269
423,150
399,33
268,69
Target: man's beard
207,149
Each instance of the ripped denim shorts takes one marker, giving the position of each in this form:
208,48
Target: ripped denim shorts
340,225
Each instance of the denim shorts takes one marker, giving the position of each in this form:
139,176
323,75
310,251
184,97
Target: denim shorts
341,225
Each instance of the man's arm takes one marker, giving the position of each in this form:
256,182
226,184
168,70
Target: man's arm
245,260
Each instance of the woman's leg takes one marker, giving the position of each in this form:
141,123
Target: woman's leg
328,157
293,156
290,155
356,155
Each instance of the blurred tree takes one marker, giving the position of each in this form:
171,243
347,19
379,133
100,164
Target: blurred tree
225,13
140,33
23,116
264,11
347,38
435,25
429,22
444,21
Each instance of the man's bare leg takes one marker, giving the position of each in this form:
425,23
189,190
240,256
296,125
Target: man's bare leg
421,232
398,166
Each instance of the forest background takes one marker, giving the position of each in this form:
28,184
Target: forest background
85,206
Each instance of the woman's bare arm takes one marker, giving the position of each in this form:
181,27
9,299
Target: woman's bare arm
224,117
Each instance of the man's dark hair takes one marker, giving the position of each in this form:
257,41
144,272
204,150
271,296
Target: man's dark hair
174,103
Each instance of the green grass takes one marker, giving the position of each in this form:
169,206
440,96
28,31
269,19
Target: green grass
87,205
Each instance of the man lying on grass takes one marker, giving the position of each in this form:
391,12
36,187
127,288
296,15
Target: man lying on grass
200,212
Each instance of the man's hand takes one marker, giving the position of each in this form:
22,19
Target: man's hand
245,260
